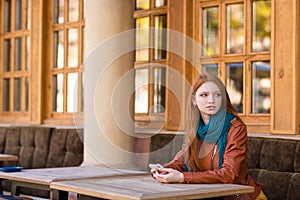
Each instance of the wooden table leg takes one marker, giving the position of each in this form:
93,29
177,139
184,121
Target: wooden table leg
59,195
15,190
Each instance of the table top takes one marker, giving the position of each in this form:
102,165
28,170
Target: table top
141,186
8,157
44,176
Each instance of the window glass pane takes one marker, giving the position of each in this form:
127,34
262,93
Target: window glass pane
58,54
27,57
59,11
73,47
261,85
142,39
58,97
142,4
160,37
261,27
83,45
234,84
141,90
82,91
18,15
73,10
210,31
6,55
210,68
72,98
7,17
235,37
84,9
160,3
28,16
18,54
159,90
17,94
6,94
26,93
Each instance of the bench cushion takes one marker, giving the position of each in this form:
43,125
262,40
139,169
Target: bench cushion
278,155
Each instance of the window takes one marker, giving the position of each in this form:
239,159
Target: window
15,54
150,58
46,83
66,75
238,50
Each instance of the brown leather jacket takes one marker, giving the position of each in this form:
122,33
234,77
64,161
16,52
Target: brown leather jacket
234,167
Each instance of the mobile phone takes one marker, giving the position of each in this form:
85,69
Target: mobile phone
156,166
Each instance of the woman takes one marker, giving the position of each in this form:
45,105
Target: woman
215,142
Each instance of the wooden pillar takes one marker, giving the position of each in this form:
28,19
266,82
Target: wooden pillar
285,116
109,83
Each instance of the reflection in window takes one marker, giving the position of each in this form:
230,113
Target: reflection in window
72,97
160,3
142,39
17,94
18,54
26,93
210,68
6,55
28,15
159,74
261,85
57,93
210,31
6,96
235,28
261,25
73,10
7,6
58,49
234,85
27,53
82,91
160,37
59,11
18,15
73,47
141,90
142,4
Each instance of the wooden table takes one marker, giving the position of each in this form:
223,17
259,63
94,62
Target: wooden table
42,178
8,157
141,186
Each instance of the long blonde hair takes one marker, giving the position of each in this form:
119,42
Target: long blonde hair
193,117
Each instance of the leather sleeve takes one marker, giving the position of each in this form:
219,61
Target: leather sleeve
234,157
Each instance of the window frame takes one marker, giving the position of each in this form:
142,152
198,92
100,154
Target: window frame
156,119
247,57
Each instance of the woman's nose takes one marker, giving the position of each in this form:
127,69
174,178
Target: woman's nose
211,98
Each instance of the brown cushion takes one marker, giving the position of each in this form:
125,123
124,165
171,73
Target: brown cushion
254,146
2,138
278,155
275,184
297,158
57,149
293,191
12,144
74,148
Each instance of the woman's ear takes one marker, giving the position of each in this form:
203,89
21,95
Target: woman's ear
194,100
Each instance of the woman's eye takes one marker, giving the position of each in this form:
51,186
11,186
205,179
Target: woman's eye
203,95
218,94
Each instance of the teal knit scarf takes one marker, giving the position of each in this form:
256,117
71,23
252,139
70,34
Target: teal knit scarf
216,131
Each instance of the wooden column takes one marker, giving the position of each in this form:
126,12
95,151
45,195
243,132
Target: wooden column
285,116
109,83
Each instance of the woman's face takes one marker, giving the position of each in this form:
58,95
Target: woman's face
208,98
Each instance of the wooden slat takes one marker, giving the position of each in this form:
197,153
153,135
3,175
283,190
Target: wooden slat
145,187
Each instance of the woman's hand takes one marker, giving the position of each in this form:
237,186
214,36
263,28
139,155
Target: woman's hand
168,175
